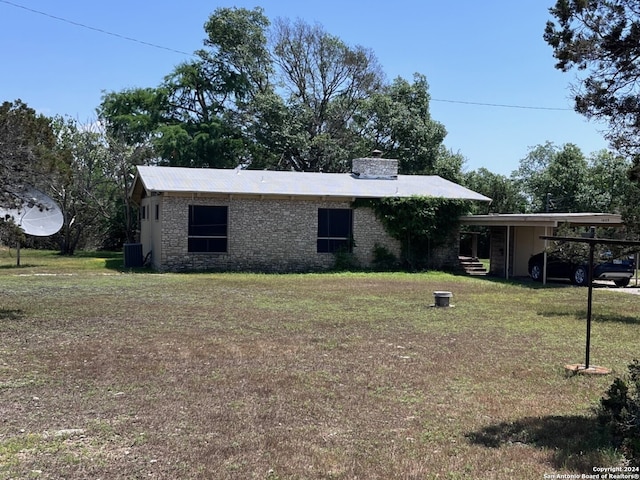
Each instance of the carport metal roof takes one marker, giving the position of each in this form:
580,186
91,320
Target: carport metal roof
547,220
541,219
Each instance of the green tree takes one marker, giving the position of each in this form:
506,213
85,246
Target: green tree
601,40
133,114
447,165
304,100
239,51
531,176
92,187
397,121
553,179
567,175
324,83
277,131
121,224
182,120
631,212
83,186
27,151
504,192
608,186
195,117
611,190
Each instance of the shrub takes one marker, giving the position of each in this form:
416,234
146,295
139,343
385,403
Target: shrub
345,261
619,410
383,259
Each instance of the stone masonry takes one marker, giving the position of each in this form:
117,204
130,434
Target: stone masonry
264,234
375,168
272,232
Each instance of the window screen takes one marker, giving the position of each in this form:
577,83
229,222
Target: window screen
335,230
208,228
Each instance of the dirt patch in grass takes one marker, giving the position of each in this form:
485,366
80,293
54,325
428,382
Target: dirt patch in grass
302,376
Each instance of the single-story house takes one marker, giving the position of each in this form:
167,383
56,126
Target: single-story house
515,237
213,219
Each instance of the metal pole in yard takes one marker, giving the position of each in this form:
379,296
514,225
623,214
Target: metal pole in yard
589,301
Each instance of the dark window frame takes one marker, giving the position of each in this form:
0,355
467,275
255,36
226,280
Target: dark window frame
335,230
208,229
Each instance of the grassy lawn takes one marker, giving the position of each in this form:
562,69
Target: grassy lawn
110,374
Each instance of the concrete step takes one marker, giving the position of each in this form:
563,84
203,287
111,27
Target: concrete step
472,266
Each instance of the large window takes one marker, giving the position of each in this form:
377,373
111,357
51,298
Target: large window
208,229
335,230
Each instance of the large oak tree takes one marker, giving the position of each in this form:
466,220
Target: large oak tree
283,96
195,116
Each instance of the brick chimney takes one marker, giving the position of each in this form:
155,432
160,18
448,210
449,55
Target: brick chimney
375,167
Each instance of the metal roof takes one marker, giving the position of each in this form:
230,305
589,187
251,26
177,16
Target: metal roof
268,182
542,219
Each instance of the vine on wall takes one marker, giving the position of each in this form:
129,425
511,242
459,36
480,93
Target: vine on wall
418,223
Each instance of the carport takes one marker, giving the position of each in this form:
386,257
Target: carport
515,237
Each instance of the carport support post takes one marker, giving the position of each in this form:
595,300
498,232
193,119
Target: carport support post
544,257
589,301
506,273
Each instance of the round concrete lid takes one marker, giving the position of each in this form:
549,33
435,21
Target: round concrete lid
443,294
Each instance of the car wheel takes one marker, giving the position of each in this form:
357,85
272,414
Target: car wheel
536,272
580,276
622,282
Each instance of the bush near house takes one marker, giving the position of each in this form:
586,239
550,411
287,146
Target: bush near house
620,412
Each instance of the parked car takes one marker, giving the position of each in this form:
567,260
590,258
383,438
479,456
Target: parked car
619,271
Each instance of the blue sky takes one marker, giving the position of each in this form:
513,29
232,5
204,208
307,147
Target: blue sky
488,52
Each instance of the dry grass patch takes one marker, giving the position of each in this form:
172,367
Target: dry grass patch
299,376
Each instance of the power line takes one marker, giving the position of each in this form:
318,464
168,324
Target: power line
95,29
500,105
153,45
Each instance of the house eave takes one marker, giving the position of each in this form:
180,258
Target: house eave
298,185
543,219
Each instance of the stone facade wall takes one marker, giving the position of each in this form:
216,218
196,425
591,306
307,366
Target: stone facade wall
445,257
375,167
264,235
369,232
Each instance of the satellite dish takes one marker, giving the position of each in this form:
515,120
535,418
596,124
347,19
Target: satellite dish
38,215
